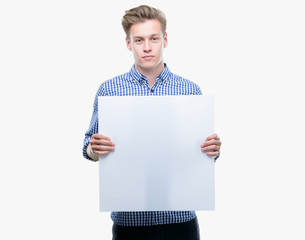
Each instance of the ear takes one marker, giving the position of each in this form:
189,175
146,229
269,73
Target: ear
165,40
128,43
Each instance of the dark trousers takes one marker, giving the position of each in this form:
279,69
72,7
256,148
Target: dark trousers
177,231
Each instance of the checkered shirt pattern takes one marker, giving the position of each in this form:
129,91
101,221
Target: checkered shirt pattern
133,83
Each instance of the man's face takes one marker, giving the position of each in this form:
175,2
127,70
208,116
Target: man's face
147,42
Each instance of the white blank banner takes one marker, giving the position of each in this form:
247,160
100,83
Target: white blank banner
157,164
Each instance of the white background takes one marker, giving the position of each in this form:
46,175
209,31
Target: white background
53,57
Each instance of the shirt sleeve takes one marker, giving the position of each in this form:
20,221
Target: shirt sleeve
197,90
93,127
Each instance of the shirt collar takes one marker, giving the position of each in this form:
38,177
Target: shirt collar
137,76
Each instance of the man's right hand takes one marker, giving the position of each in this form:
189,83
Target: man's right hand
101,145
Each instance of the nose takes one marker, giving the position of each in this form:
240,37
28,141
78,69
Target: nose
147,47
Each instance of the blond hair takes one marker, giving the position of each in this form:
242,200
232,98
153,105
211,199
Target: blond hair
141,14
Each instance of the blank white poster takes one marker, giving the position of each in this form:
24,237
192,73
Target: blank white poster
157,164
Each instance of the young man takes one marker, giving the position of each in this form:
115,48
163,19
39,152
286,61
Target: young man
146,38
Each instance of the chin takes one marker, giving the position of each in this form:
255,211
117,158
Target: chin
148,65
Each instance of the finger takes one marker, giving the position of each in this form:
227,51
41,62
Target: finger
211,142
213,148
213,136
101,153
100,136
212,154
102,142
101,148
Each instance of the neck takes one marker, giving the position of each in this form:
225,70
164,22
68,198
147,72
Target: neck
151,74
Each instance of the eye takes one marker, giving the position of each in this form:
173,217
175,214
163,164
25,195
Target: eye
138,40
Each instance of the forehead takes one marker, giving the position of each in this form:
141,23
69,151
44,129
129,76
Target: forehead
146,28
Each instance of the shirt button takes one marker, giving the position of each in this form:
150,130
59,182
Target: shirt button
152,90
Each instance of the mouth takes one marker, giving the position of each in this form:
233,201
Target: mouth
148,57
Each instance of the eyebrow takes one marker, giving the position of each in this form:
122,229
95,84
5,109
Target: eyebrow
153,35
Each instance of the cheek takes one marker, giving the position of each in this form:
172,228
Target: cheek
136,50
161,48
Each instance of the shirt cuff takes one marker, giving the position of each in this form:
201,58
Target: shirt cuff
215,159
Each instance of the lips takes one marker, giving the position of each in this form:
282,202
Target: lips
148,57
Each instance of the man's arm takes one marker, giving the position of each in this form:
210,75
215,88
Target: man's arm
93,127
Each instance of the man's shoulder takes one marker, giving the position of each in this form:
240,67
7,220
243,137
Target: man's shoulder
108,87
117,79
184,82
178,78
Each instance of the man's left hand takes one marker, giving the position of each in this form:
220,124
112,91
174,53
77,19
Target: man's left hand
211,145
